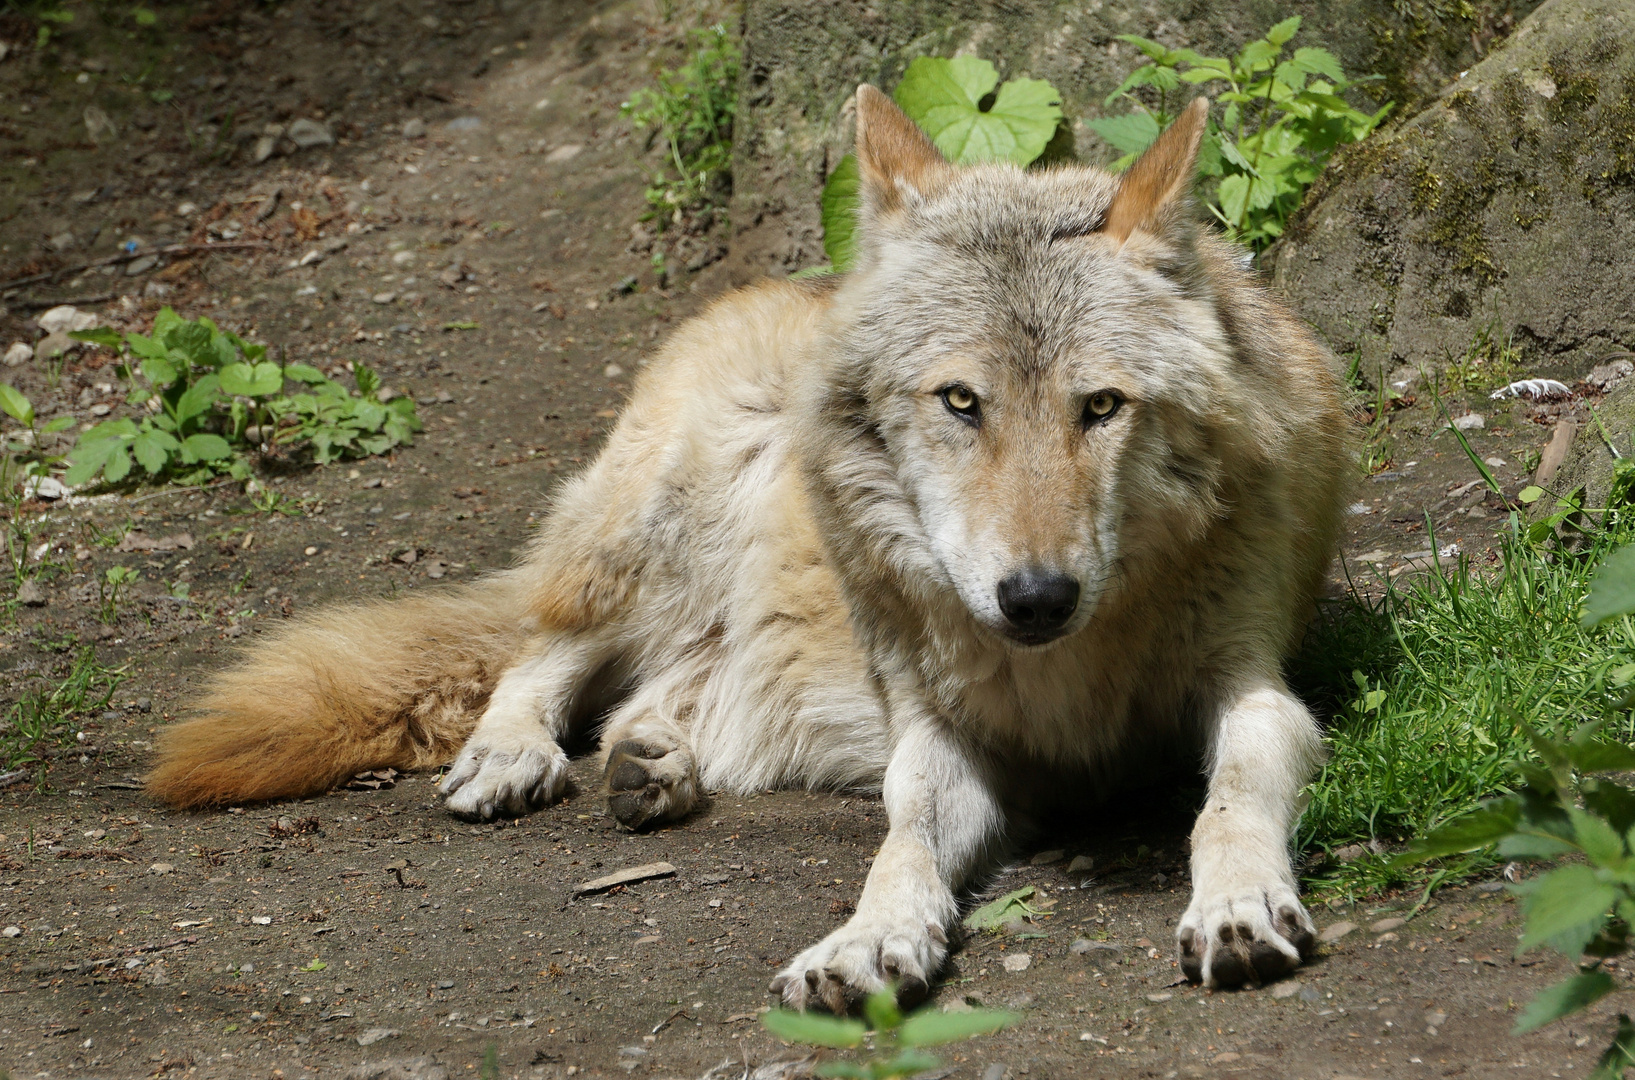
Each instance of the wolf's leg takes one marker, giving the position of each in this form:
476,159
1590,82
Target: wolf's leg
512,764
1245,922
944,818
651,773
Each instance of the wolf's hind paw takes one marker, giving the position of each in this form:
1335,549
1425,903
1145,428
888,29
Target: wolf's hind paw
648,783
486,781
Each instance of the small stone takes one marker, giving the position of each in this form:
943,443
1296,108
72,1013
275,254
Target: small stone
414,128
375,1035
1081,864
1286,989
65,318
613,371
436,568
29,594
54,345
98,126
1226,1058
310,551
101,410
12,931
1309,995
565,152
1386,938
445,984
1385,925
1160,997
464,123
309,133
1352,852
141,266
161,868
18,353
264,147
402,258
96,834
61,242
1045,858
1335,932
384,297
144,704
1496,462
1470,422
1018,961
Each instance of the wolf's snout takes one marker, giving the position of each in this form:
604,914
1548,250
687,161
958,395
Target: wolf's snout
1038,604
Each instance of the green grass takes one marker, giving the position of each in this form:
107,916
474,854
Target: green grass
1424,692
44,722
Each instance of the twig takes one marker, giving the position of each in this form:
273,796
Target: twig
101,298
130,256
183,490
8,779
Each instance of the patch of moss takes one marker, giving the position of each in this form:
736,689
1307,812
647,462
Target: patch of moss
1576,91
1457,230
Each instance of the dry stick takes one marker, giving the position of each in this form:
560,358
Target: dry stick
130,256
76,301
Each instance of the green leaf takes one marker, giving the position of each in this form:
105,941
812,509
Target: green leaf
198,398
367,378
153,449
15,405
1602,756
1530,494
996,913
314,965
1565,997
1599,840
61,423
1131,133
1619,1056
814,1029
205,447
840,205
1319,62
929,1027
909,1063
97,335
464,324
246,380
943,97
1612,593
1283,31
1569,900
87,459
880,1010
1485,825
304,373
159,370
118,465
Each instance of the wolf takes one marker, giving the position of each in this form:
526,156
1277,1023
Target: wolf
1046,483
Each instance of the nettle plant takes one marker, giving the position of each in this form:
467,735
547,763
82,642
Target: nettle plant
691,109
1569,806
211,395
1281,118
898,1039
970,117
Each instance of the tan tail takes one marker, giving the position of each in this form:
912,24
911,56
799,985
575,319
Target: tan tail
384,684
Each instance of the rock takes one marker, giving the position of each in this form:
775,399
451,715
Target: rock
61,242
161,868
1604,377
65,318
805,60
402,258
29,594
1588,463
373,1035
47,487
1045,858
309,133
1017,961
414,129
1506,203
54,345
1288,988
141,266
98,127
1160,998
625,877
1555,452
264,147
1336,931
565,152
384,297
1470,422
400,1068
463,123
1081,864
12,931
18,352
436,568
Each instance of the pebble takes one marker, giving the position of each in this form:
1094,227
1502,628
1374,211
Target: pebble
436,569
161,868
613,371
61,242
402,258
375,1035
445,984
65,318
18,353
261,920
1160,998
1470,422
12,931
1081,864
565,152
264,147
1045,858
414,129
137,267
309,133
53,345
1335,932
98,126
1385,925
384,297
463,123
310,551
29,594
1286,989
1017,961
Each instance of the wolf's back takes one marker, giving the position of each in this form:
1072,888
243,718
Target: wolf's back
381,684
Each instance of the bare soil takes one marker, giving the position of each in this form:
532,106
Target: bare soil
492,269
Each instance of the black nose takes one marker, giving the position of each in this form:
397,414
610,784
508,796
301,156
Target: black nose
1038,603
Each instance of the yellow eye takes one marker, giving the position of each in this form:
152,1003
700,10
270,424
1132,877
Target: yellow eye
1101,405
960,400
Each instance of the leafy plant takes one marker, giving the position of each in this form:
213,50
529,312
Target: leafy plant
111,587
1282,118
1568,805
208,390
898,1038
691,109
996,914
43,720
970,117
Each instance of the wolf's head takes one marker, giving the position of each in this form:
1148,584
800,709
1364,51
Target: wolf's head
1033,371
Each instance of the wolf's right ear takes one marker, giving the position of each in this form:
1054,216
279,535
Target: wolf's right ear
1156,186
895,159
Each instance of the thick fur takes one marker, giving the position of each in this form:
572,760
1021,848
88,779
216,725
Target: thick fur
787,556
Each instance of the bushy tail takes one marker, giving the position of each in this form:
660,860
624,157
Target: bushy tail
384,684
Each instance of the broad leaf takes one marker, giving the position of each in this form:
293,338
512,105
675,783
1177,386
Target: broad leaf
118,465
198,398
1568,901
144,346
996,913
943,97
1599,840
1284,31
1319,62
841,200
932,1028
1565,997
1613,591
814,1029
305,373
16,405
1130,134
1487,824
159,370
153,449
97,335
205,447
258,380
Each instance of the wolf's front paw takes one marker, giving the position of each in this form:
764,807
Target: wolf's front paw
650,780
1251,934
488,778
860,958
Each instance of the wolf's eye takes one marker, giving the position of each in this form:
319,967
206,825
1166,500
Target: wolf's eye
961,402
1100,405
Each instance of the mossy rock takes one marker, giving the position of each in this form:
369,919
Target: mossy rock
1589,463
804,58
1503,208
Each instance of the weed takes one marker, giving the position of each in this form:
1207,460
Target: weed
111,588
212,395
43,722
691,110
1488,363
491,1063
898,1038
1282,119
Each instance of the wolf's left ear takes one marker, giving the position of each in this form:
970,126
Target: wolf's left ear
895,159
1156,187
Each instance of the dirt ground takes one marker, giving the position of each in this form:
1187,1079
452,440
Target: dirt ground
489,267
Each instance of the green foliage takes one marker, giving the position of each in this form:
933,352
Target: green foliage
995,914
691,110
42,721
211,387
898,1038
947,98
1281,119
111,588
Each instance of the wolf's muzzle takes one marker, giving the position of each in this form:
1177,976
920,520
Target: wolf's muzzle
1037,604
